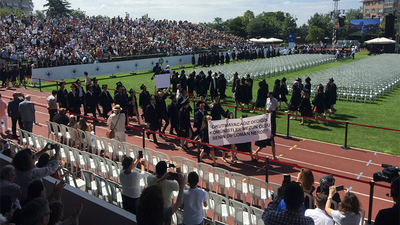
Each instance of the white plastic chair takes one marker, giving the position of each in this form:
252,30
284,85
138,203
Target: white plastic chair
362,220
65,135
223,179
90,183
181,162
112,169
240,185
259,190
99,145
161,156
150,159
101,166
240,212
131,149
256,216
192,166
220,206
115,191
102,188
89,162
68,175
206,173
50,132
310,200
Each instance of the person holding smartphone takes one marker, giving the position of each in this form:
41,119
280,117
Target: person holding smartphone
130,181
349,209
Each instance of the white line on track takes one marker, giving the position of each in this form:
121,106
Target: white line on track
327,154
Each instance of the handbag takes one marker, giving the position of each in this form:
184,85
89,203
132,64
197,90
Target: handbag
111,133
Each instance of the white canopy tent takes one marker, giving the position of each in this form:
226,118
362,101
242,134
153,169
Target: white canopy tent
381,40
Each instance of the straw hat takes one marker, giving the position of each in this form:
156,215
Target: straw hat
117,107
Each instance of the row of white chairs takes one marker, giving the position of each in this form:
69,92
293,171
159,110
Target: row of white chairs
364,80
271,67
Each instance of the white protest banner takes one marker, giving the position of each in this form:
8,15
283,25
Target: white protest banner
163,80
233,131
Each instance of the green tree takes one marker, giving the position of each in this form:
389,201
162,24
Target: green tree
56,8
40,14
16,12
247,17
78,13
315,34
322,21
235,26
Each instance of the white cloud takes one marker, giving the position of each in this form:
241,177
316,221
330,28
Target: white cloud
205,10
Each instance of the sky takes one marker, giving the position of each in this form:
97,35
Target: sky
205,10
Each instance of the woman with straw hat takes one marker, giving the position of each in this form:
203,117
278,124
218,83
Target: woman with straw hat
117,123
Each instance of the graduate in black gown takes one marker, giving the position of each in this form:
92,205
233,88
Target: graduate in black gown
305,106
62,96
327,100
294,101
276,90
222,86
190,85
106,101
318,102
205,139
307,86
261,96
283,92
144,99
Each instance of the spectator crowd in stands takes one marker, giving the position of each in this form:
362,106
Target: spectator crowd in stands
65,41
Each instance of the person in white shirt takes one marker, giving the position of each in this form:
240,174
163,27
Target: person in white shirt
130,181
353,51
88,81
193,201
117,123
272,106
167,186
318,214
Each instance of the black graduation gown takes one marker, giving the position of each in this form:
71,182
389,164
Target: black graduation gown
305,107
62,97
327,99
105,101
151,116
184,122
96,93
190,85
276,92
217,112
172,114
90,102
144,100
295,100
319,102
283,92
120,100
333,93
222,87
73,103
213,87
261,98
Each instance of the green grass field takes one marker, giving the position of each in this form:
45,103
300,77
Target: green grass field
383,113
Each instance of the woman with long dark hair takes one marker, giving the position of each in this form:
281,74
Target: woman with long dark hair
349,208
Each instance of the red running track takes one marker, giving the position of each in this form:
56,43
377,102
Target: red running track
355,166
